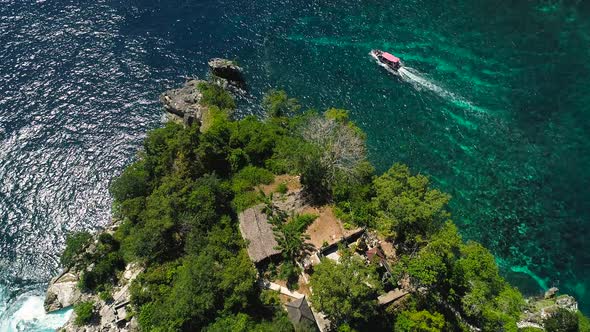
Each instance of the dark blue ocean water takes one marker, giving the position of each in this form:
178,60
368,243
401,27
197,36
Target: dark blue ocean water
494,107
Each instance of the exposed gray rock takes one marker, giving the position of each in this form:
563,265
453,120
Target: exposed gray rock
227,70
62,292
292,201
567,302
184,103
539,309
111,316
551,292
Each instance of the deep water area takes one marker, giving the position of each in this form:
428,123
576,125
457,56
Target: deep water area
493,104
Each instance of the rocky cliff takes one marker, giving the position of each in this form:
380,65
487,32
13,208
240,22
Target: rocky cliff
63,292
539,309
184,105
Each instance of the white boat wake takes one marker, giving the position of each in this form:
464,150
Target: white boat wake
419,82
414,77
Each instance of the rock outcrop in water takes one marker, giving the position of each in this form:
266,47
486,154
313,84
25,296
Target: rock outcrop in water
183,103
62,291
539,309
226,73
113,314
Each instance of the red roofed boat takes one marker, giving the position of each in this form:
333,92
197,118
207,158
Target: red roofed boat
387,59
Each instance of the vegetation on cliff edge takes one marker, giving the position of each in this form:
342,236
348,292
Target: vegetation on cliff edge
179,200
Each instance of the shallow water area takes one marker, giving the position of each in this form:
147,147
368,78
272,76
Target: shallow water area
493,105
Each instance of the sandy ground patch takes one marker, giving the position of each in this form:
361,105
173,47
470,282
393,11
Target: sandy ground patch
326,228
292,182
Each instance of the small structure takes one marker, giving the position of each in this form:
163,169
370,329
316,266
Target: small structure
258,233
392,296
120,311
331,251
376,254
300,313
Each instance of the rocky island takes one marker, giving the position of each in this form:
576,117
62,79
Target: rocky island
281,224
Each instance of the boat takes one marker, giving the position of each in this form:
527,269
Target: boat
387,60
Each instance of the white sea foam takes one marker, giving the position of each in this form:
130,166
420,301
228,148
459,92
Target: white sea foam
26,313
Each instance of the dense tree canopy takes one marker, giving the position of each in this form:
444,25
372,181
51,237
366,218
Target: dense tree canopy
178,203
407,209
419,321
346,291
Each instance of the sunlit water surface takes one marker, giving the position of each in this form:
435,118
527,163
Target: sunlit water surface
493,105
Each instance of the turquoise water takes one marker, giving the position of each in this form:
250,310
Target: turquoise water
495,108
493,105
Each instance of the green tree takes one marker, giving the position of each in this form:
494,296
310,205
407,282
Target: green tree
237,281
193,299
485,297
427,269
244,323
289,233
214,150
407,209
249,177
562,320
214,95
132,183
257,139
75,244
419,321
277,103
346,291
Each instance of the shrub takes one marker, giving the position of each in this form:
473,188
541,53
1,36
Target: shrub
584,322
104,272
251,176
105,295
562,320
419,321
214,95
290,273
282,188
238,158
245,200
212,116
84,313
107,243
75,244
